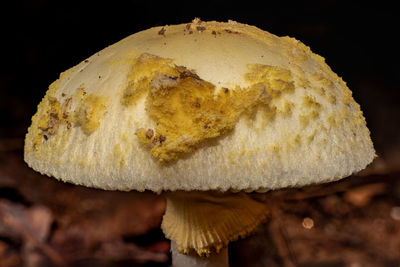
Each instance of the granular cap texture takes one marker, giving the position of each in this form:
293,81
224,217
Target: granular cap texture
199,106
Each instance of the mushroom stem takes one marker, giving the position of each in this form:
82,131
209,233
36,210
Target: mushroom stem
192,259
205,222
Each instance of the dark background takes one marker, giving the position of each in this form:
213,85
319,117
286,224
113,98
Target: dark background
357,220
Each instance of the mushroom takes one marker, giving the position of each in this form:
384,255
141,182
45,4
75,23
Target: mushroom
204,113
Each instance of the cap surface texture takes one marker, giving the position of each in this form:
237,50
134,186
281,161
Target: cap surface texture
199,106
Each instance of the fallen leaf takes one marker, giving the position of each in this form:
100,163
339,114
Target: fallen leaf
362,195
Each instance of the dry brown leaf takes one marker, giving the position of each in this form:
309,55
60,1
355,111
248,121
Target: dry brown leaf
31,225
362,195
8,257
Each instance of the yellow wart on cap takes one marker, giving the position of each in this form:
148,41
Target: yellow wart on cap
189,110
144,67
311,110
118,155
90,112
56,115
50,120
50,117
276,80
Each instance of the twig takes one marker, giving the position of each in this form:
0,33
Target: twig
47,250
278,234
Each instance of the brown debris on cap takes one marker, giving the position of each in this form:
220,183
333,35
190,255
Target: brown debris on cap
162,31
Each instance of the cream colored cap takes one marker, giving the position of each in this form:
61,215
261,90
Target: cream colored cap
199,106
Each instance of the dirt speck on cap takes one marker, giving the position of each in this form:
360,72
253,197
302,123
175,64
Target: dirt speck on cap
230,31
201,28
162,31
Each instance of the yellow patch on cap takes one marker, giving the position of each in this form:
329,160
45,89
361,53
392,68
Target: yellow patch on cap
90,112
189,110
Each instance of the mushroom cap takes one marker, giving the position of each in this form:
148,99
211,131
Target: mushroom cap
199,106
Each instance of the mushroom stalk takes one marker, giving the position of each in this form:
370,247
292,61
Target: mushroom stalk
193,260
201,224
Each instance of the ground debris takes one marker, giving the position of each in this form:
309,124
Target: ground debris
128,251
8,256
30,226
353,222
362,195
